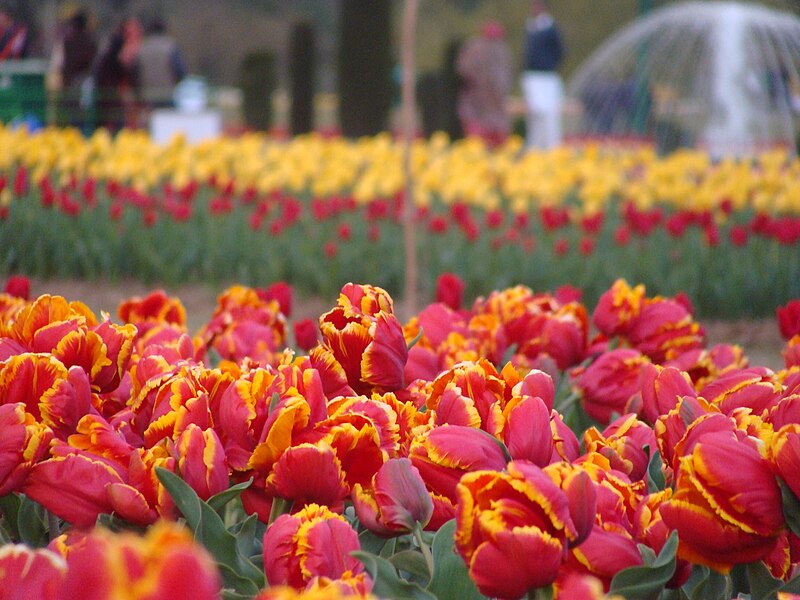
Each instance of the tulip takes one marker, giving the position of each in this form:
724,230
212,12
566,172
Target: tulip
785,455
397,501
789,319
727,503
618,308
754,388
313,542
24,443
201,461
166,563
609,382
363,336
622,443
660,391
306,334
443,454
27,573
450,290
18,286
512,529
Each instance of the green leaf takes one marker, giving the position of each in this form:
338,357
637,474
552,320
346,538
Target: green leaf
370,542
417,338
9,506
218,501
273,402
411,561
238,571
32,523
655,471
451,580
647,582
763,585
791,507
792,586
387,582
706,584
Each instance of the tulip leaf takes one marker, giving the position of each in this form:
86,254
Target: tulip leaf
411,562
791,507
706,584
451,580
387,581
32,523
9,509
237,570
648,581
656,481
370,542
273,402
763,585
417,338
218,501
792,586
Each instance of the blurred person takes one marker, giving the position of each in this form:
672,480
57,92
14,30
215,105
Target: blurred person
78,48
485,66
117,76
161,65
13,35
542,87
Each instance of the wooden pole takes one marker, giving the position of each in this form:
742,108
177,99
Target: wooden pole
408,108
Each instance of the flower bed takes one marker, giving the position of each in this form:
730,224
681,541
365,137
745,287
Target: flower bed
317,211
519,446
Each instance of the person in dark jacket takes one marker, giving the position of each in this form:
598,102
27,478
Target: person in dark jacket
13,36
542,86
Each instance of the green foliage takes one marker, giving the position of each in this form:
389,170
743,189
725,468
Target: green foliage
233,553
646,582
451,579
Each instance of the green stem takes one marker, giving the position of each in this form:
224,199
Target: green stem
280,506
426,550
542,593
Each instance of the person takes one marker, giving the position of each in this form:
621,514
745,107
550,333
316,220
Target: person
13,36
71,68
485,66
161,65
117,76
542,87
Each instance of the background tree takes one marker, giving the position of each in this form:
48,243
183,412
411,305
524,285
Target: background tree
365,65
301,76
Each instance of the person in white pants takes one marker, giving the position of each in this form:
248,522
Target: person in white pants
542,86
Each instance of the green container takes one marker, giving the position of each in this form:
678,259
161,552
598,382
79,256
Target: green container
22,90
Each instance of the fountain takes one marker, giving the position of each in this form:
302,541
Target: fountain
724,76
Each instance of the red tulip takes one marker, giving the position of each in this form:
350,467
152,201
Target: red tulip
313,542
609,382
166,562
24,442
789,319
27,573
512,529
444,454
306,334
396,502
201,461
18,286
727,503
450,290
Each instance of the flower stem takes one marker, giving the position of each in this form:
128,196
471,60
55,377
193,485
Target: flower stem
280,506
426,551
53,529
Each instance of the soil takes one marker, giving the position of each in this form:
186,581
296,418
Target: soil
760,338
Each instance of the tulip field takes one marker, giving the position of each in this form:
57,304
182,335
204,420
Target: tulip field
523,445
318,211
